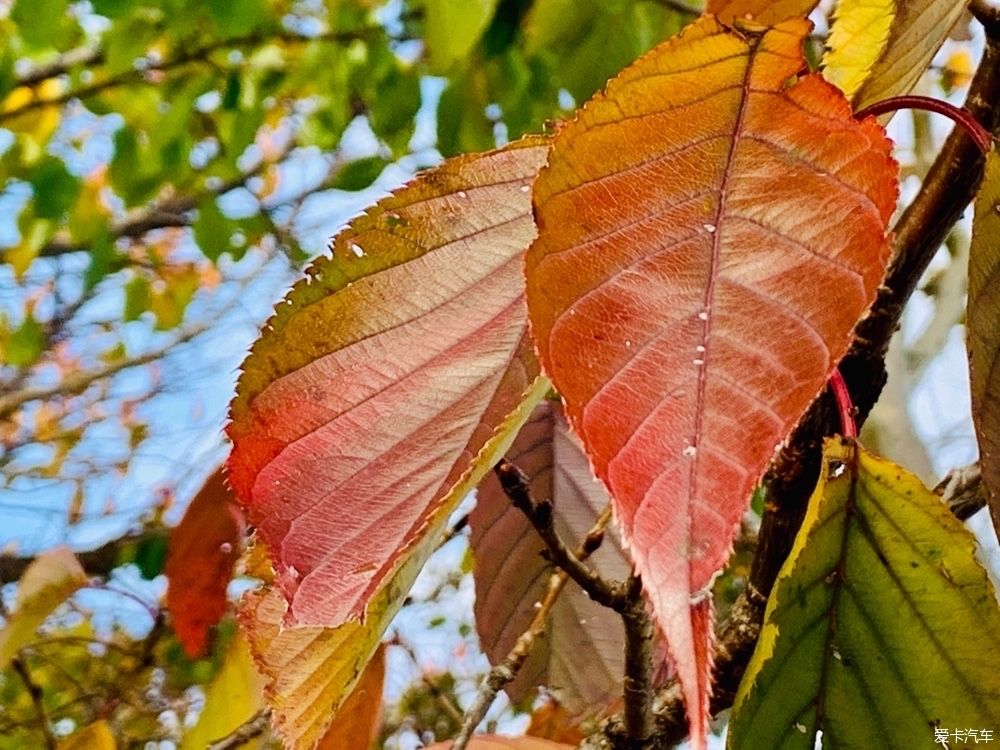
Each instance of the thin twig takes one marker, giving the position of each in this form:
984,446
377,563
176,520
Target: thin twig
987,14
253,727
504,672
638,682
962,490
517,487
37,699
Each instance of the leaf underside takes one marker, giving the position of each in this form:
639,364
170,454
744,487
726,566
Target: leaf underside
580,658
688,297
763,12
876,631
983,329
382,376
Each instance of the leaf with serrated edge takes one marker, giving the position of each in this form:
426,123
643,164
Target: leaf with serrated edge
877,627
45,584
382,375
878,49
763,12
580,658
982,323
495,742
357,722
310,671
688,297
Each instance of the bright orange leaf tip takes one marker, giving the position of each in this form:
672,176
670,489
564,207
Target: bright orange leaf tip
711,229
200,557
381,377
763,12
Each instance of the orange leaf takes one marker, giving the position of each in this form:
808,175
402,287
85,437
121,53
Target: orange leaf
580,657
496,742
356,724
710,231
763,12
553,722
381,378
200,557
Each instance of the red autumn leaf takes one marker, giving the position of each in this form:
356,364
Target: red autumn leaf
201,553
580,658
382,376
710,231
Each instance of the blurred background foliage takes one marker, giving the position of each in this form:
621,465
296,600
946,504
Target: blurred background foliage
166,168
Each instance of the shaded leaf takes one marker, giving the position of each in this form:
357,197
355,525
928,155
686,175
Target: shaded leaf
382,376
983,331
687,297
763,12
876,630
581,656
360,173
232,698
356,724
201,554
96,736
55,189
878,49
212,229
46,583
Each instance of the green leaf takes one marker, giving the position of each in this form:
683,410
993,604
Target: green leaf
462,125
55,188
453,27
212,230
102,253
137,297
359,174
151,555
237,17
38,20
25,344
878,628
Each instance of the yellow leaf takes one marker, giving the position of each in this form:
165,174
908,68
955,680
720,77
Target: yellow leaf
878,49
235,694
50,579
356,724
96,736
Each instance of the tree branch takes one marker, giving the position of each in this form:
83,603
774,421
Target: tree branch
638,683
37,699
255,726
97,562
504,672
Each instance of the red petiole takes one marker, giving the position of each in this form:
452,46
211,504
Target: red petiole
961,117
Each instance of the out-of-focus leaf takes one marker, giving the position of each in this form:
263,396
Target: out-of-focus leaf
25,344
359,174
982,322
201,553
580,659
212,229
553,722
96,736
462,125
137,297
689,301
356,724
38,20
496,742
382,376
452,28
50,579
762,12
235,19
151,556
233,696
54,187
878,49
876,630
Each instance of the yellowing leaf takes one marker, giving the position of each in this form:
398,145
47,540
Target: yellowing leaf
878,49
879,625
982,323
760,12
310,671
356,724
96,736
688,298
235,694
50,579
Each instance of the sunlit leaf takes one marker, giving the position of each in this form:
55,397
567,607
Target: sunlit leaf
581,656
201,553
382,376
453,27
96,736
983,330
687,297
762,12
496,742
25,344
879,625
878,49
50,579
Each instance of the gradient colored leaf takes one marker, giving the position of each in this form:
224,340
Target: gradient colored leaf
983,329
356,724
96,736
496,742
876,630
580,658
201,553
878,49
763,12
232,698
688,297
382,376
50,580
310,671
